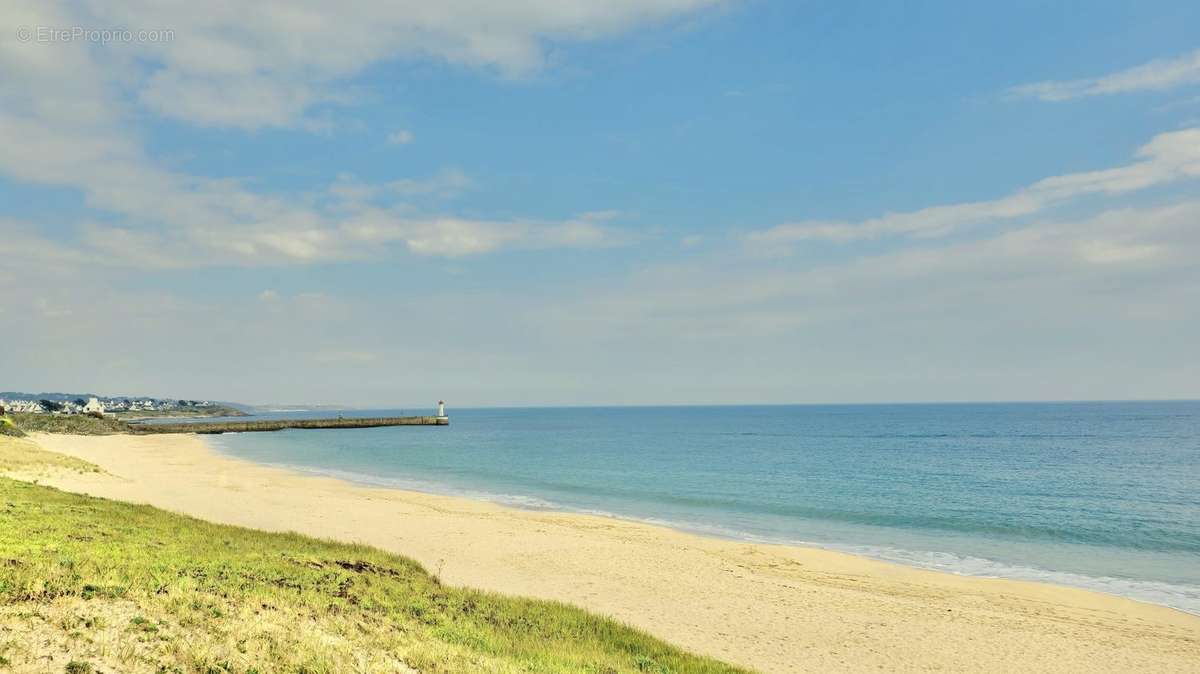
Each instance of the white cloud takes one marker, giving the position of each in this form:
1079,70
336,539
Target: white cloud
1108,252
245,102
1168,157
229,67
68,113
456,237
360,232
401,137
1158,75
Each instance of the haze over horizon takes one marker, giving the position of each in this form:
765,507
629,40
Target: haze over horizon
594,203
415,406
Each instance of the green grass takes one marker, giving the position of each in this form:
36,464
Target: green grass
8,428
73,424
108,586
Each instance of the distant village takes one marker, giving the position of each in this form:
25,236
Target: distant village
101,406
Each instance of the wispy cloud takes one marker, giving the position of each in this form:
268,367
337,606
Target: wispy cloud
444,184
400,137
227,68
1166,158
457,237
751,298
1157,75
357,232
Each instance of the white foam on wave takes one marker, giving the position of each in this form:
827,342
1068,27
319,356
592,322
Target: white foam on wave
1178,596
1182,597
518,501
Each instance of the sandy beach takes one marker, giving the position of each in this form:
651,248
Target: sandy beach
773,608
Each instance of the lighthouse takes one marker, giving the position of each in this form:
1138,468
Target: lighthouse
441,409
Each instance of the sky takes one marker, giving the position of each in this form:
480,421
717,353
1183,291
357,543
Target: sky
590,202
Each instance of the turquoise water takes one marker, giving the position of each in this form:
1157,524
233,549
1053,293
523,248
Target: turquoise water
1098,495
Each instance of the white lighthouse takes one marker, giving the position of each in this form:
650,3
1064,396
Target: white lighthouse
441,409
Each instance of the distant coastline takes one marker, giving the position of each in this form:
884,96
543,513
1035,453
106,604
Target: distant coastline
202,413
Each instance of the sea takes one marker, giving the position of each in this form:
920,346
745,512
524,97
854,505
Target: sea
1097,495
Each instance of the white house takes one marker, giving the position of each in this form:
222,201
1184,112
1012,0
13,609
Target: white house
23,406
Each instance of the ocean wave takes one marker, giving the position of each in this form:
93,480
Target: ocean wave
1182,597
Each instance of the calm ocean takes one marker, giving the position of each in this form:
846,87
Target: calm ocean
1098,495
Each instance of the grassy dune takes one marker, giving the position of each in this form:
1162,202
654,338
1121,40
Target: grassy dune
183,413
88,584
74,424
8,428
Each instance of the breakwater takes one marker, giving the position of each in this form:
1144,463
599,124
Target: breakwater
210,427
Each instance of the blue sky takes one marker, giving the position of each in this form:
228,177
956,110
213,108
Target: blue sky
670,201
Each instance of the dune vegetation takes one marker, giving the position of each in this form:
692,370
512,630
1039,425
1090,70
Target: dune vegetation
182,413
92,585
8,428
73,424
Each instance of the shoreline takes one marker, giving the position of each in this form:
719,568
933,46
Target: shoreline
888,555
770,606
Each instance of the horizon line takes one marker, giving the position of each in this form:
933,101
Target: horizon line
338,406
